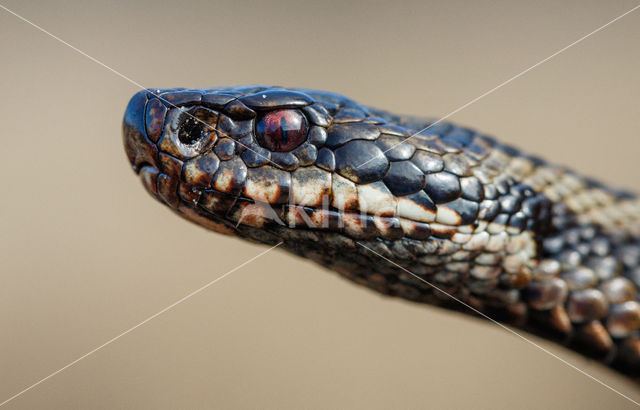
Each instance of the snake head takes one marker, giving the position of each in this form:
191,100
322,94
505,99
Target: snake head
253,157
218,156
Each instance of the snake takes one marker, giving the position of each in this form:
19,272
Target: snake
410,207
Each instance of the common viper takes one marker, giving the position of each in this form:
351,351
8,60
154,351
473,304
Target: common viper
410,207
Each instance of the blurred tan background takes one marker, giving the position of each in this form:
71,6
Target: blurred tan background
85,253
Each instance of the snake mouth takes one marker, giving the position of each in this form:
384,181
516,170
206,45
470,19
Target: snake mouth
228,213
148,175
195,204
232,212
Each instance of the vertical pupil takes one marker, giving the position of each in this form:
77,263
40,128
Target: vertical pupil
284,131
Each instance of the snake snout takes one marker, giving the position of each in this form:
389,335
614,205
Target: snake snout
139,148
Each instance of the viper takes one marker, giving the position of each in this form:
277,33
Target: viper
416,208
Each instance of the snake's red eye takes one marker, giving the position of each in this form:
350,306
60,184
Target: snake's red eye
282,130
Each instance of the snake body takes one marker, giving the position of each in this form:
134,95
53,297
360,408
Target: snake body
410,207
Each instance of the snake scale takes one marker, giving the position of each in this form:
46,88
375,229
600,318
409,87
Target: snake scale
399,208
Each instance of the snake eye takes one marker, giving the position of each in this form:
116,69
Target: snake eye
282,130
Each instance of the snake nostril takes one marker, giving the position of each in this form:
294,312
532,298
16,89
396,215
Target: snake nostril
192,130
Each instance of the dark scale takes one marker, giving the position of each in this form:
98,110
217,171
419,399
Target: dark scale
442,186
361,161
404,178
